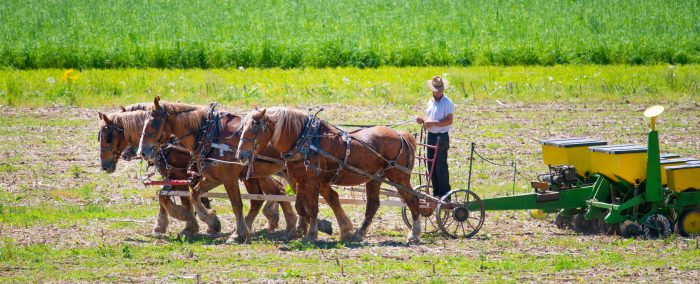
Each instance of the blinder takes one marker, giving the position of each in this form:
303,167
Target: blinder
109,137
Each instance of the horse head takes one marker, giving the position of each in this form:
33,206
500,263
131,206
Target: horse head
252,136
112,143
155,130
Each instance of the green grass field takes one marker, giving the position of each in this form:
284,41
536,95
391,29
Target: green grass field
387,85
220,34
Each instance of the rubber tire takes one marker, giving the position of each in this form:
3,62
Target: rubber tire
657,221
580,224
562,222
605,228
630,229
679,224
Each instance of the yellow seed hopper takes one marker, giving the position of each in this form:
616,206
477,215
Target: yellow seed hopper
569,151
627,162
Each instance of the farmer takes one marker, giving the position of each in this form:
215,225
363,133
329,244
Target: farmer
438,121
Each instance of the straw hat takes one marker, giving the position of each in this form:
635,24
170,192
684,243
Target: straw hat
437,84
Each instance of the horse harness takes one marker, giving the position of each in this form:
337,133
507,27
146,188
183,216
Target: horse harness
206,137
207,140
307,146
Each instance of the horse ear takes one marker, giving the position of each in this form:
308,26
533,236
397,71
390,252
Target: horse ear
156,102
260,114
104,117
122,108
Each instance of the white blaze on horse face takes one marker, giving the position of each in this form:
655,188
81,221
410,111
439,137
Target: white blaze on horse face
143,132
241,152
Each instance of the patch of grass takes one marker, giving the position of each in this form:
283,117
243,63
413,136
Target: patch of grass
263,261
8,168
76,171
567,262
361,86
67,215
85,192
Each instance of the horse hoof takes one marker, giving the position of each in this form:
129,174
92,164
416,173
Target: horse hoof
325,226
292,235
238,240
413,240
186,232
273,221
351,238
308,239
214,228
159,230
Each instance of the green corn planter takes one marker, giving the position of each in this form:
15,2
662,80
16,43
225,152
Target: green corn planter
632,202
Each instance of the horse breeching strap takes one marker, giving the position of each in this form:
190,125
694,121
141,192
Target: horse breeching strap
377,177
308,144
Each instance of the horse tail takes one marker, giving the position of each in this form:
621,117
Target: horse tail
411,142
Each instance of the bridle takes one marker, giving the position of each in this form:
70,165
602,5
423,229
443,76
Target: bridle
255,128
109,140
158,118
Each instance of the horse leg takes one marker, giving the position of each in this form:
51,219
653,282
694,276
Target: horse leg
309,192
183,212
413,204
274,187
271,210
253,187
242,232
372,187
187,215
302,220
206,215
344,222
162,221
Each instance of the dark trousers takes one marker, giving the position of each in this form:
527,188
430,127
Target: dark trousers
441,174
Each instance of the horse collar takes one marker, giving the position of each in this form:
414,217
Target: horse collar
308,137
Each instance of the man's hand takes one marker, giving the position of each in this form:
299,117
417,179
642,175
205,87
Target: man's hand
428,124
420,120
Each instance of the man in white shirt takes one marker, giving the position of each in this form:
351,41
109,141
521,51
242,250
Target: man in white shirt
438,121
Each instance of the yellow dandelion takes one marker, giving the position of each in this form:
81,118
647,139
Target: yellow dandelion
68,75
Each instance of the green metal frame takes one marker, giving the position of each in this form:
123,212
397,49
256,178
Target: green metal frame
612,201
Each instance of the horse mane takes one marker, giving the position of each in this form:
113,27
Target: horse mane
189,116
138,106
131,122
291,120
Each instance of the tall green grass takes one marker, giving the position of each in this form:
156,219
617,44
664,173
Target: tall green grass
386,85
332,33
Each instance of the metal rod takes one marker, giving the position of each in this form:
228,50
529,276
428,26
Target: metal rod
515,171
471,159
287,198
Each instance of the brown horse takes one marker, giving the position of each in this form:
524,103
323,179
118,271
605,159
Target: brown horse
193,125
120,133
370,149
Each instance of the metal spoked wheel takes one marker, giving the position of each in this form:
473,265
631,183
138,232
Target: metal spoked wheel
461,214
657,226
427,215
